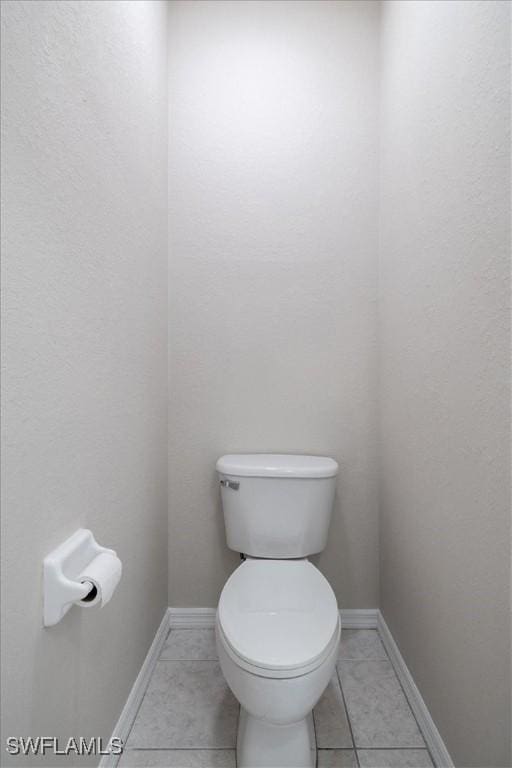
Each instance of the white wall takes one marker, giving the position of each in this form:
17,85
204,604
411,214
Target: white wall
273,321
84,348
272,194
445,375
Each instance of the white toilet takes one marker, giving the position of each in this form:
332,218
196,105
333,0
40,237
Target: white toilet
277,625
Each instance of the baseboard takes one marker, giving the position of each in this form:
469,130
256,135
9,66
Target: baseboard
359,618
127,716
204,618
192,618
434,742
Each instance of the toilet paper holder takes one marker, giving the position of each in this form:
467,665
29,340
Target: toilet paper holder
62,585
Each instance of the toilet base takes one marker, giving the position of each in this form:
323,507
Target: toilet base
263,745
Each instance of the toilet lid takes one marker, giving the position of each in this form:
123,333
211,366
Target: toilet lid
278,614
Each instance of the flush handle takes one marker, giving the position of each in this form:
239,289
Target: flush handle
230,484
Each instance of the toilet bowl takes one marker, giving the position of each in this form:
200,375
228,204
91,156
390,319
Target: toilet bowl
277,632
277,624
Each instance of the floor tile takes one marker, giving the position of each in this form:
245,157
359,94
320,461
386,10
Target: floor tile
361,644
188,705
331,724
178,758
190,644
336,758
379,713
394,758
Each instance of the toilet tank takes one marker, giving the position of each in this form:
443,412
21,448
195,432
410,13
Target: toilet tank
277,505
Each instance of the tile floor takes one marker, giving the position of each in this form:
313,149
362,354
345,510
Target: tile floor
188,717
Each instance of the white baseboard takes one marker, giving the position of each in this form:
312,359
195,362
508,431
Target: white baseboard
192,618
127,716
204,618
359,618
433,740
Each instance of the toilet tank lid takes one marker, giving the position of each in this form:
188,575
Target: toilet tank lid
276,465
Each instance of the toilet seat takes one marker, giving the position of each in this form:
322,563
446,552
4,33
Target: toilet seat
278,618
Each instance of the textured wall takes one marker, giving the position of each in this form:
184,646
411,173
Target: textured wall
444,328
272,168
84,348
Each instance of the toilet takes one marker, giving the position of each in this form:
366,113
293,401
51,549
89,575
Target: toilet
277,624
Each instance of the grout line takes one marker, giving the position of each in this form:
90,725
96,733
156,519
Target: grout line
236,737
411,711
180,749
316,740
233,749
348,717
135,716
395,749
